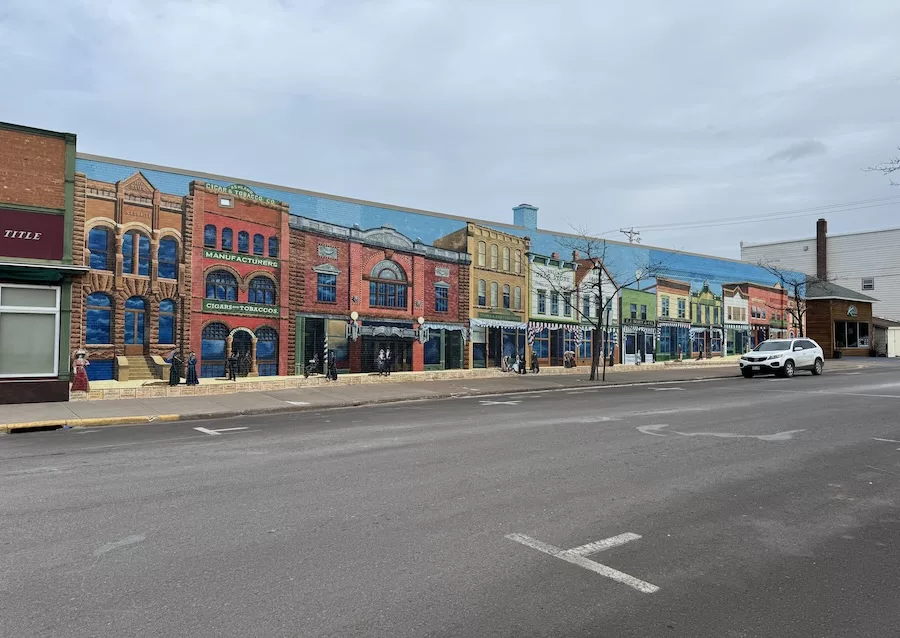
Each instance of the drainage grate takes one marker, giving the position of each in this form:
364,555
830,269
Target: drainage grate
43,428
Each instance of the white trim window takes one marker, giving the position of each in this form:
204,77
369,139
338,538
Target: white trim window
29,331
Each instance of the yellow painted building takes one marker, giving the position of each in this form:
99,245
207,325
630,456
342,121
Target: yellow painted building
498,281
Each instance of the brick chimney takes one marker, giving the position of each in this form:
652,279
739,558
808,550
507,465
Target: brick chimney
822,249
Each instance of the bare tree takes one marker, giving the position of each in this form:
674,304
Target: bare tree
592,278
888,168
795,284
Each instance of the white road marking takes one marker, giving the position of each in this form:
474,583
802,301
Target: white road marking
886,440
787,435
128,540
846,394
571,556
500,402
297,402
666,389
606,543
219,431
847,374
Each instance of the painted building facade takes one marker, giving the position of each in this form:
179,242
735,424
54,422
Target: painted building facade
673,319
554,325
737,324
638,313
768,307
499,285
359,292
40,263
240,300
706,323
597,299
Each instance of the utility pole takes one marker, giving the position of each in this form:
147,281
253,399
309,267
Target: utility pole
634,236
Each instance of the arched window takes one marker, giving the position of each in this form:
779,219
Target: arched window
135,316
262,290
243,242
495,257
212,350
387,285
273,246
221,285
482,250
167,321
482,292
227,239
167,259
135,253
267,352
506,296
258,244
99,245
98,320
506,258
518,262
209,236
495,290
517,298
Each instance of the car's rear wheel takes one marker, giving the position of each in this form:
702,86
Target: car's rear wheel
788,370
748,374
818,367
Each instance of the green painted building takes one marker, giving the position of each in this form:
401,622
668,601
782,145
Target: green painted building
637,316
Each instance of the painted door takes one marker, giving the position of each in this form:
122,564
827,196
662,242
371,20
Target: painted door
629,357
135,327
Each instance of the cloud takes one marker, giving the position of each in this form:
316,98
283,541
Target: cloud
799,150
649,113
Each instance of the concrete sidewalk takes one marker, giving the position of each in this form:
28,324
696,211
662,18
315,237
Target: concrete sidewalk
34,416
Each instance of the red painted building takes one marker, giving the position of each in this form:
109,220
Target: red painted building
240,296
768,311
361,292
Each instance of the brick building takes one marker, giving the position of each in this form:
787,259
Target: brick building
360,291
39,268
768,308
240,301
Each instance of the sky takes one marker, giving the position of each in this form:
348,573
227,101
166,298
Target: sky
700,123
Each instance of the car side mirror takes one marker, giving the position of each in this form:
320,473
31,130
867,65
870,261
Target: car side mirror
798,349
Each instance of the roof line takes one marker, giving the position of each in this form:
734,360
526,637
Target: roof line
828,236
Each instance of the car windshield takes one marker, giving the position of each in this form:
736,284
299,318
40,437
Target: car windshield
773,346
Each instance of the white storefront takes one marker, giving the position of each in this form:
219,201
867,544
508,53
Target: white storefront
737,323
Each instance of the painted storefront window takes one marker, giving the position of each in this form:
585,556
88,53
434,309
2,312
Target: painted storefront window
261,291
167,321
99,245
267,352
98,322
167,259
221,285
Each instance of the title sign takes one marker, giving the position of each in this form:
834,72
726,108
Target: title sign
852,311
244,192
238,308
31,235
239,258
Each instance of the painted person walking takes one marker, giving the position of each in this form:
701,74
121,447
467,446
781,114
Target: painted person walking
380,362
80,382
232,365
191,376
388,361
175,368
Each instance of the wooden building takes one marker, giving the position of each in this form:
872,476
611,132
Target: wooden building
839,319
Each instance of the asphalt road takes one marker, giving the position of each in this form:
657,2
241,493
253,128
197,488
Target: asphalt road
764,508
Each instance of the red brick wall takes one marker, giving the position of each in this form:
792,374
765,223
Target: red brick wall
32,169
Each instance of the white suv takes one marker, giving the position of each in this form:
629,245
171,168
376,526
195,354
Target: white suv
783,357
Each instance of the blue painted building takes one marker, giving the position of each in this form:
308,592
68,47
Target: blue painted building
623,260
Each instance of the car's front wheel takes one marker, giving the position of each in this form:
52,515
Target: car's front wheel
747,372
788,370
818,367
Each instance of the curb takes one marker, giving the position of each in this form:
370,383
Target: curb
287,409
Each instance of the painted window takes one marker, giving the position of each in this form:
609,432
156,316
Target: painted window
326,288
167,321
441,298
482,248
98,324
258,244
541,345
243,242
29,330
267,352
387,285
209,236
495,257
643,312
554,303
167,258
221,285
506,296
135,320
542,302
482,292
135,253
506,258
633,311
567,304
517,298
212,350
518,262
495,294
99,245
227,239
586,307
273,247
665,306
706,315
681,308
716,316
262,291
